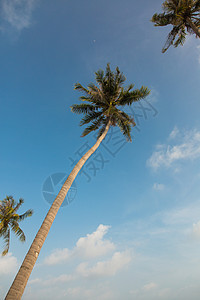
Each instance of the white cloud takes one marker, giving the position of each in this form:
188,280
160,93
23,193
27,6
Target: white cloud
91,246
106,268
158,186
17,13
188,148
100,269
149,286
8,264
58,256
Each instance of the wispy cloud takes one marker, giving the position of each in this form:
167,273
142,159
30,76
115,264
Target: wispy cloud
174,133
98,293
54,280
91,246
154,96
17,13
187,147
158,186
149,286
196,229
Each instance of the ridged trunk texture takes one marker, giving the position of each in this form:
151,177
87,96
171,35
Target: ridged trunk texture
17,288
194,27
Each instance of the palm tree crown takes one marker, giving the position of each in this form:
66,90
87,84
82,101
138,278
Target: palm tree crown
9,219
182,15
105,101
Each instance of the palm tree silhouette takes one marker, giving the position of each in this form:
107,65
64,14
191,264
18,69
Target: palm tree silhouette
182,15
9,220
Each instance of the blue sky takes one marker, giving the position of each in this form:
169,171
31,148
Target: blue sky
132,230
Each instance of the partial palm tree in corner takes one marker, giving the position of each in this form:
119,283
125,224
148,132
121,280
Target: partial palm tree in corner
102,107
182,15
9,220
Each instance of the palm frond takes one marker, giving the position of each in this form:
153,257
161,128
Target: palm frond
127,98
181,38
4,228
126,117
80,88
171,5
90,117
92,87
196,6
120,78
94,99
1,224
17,230
99,76
6,238
96,94
125,129
94,126
170,39
130,87
27,214
21,201
103,128
162,19
82,108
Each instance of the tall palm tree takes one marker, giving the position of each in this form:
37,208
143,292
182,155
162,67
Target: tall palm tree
182,15
9,220
102,107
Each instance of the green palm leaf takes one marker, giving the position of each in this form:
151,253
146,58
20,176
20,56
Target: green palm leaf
17,230
94,126
27,214
90,117
21,201
6,238
128,97
82,108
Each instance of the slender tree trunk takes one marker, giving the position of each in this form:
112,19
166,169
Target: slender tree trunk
193,26
16,290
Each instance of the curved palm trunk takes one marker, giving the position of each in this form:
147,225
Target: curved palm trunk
194,27
20,281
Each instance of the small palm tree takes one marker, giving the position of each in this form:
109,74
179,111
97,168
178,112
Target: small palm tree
102,107
9,220
182,15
